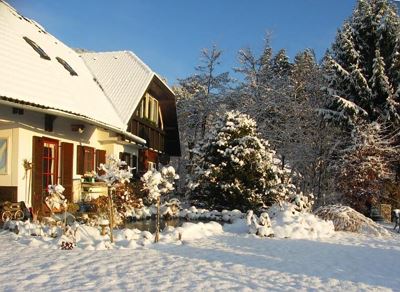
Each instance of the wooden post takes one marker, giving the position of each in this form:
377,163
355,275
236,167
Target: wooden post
157,238
111,213
65,218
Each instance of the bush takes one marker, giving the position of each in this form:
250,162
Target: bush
347,219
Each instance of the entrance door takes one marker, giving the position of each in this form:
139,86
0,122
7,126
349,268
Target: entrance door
45,169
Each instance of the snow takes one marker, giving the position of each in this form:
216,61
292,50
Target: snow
222,261
289,223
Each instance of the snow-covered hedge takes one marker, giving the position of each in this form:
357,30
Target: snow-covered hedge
189,214
347,219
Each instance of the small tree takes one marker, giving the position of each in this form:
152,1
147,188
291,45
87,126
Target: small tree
115,172
237,169
156,184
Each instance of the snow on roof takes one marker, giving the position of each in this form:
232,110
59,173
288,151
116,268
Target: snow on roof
124,78
28,78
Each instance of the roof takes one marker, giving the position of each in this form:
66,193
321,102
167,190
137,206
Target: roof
124,78
25,77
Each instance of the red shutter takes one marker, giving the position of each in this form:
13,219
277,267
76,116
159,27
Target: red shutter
100,158
90,158
80,154
37,174
67,153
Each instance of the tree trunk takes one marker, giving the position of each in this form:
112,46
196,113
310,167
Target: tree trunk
157,237
111,214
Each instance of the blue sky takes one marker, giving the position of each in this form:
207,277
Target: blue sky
168,35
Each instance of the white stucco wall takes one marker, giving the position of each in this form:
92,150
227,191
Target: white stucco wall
20,129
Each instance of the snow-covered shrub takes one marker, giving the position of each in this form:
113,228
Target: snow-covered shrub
302,202
114,171
56,200
236,169
288,222
260,226
347,219
158,183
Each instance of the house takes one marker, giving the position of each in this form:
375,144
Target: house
66,111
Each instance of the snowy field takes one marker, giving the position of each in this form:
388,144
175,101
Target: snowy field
231,260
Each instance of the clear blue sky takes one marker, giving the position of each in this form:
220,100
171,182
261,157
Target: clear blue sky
169,34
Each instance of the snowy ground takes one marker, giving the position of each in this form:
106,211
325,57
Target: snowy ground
227,261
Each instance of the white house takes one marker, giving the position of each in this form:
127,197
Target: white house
65,112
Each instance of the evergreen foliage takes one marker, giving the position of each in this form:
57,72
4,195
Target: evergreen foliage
363,65
235,168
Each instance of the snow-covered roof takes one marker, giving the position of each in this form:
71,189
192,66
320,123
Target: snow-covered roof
27,77
124,78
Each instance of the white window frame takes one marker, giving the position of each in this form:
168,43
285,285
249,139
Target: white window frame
4,151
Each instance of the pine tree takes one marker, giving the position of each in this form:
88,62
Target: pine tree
363,65
235,168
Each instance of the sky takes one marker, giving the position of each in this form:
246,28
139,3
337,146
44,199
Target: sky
169,35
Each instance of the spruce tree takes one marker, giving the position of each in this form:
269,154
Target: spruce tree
235,168
363,65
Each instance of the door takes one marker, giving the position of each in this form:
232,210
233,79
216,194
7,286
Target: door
45,169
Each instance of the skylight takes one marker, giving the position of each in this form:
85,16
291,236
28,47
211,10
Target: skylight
38,49
67,66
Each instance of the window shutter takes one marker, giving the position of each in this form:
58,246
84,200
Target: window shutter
100,158
90,156
67,153
80,154
37,170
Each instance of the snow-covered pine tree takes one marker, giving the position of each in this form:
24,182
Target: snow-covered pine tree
363,65
235,168
364,85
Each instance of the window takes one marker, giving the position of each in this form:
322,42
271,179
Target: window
85,157
38,49
3,156
149,109
49,163
17,111
48,122
67,66
151,165
126,157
